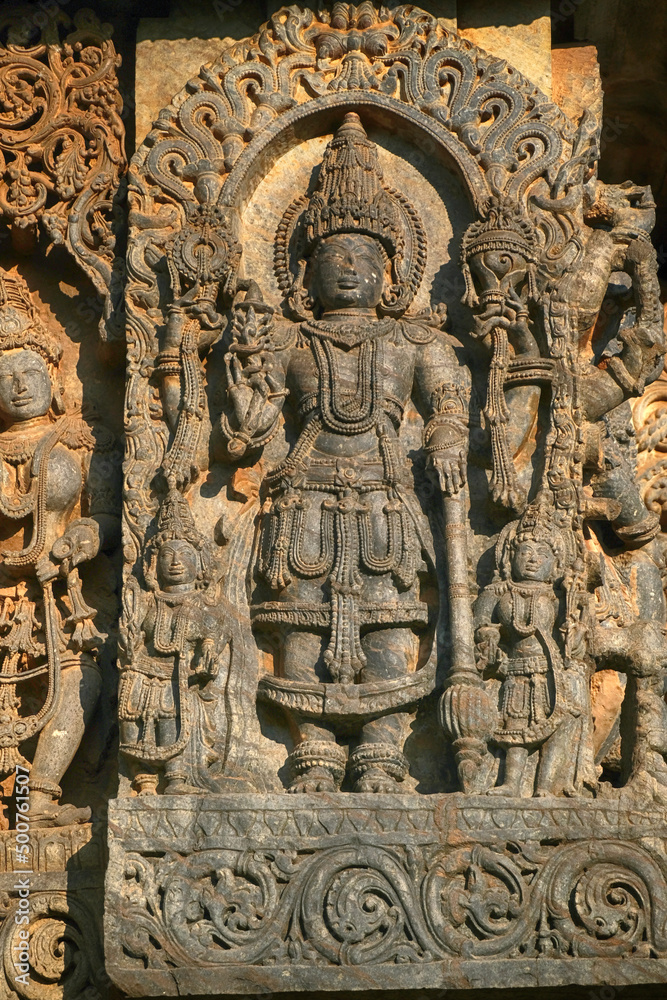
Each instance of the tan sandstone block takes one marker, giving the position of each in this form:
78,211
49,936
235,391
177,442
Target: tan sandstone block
171,50
516,30
576,82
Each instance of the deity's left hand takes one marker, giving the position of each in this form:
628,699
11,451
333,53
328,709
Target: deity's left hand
208,666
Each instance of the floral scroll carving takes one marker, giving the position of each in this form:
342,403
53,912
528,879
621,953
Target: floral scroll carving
62,154
392,905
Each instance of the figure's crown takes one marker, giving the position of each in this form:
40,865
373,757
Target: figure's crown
541,521
175,521
504,228
350,196
20,326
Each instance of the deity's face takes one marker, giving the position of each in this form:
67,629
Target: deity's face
348,273
533,560
177,564
25,386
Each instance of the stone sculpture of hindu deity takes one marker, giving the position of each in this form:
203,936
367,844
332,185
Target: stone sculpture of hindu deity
176,641
344,547
59,509
385,544
544,695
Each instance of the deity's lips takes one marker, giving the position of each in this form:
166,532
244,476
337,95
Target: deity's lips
349,283
176,571
21,400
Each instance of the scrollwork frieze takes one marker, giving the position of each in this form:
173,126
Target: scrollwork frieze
62,158
411,901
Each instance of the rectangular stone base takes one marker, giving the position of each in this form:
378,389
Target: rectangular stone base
250,894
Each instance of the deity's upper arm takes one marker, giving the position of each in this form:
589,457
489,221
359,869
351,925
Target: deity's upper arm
437,364
485,607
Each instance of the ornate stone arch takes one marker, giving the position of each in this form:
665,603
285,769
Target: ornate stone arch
293,80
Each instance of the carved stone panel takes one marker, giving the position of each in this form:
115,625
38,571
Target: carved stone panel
382,892
61,164
392,641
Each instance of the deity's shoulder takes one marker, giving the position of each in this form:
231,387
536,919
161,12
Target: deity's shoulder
86,434
416,330
285,333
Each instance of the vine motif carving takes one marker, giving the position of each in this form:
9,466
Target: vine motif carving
372,905
64,951
62,155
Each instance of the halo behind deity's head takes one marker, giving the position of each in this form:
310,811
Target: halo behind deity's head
351,198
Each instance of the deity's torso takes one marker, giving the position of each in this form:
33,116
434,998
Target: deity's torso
43,469
527,615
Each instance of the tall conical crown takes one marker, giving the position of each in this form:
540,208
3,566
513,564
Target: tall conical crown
20,326
175,521
350,196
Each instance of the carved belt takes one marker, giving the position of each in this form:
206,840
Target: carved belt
329,472
162,669
526,666
318,616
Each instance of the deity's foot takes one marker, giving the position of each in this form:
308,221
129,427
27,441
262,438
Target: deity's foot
508,791
315,779
375,780
180,787
377,767
53,814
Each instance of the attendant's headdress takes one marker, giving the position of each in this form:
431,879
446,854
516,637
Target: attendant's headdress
540,522
20,325
175,522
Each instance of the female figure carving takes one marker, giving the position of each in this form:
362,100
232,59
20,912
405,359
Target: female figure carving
58,509
544,694
177,641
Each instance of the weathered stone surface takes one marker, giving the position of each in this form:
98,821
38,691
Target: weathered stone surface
389,684
518,30
373,891
576,83
311,593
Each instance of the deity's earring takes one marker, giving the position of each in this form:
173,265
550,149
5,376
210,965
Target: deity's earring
301,302
57,401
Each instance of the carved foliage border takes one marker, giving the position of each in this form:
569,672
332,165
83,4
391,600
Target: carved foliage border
62,156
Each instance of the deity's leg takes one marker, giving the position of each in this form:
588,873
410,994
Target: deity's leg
557,757
177,771
378,763
515,762
317,762
58,743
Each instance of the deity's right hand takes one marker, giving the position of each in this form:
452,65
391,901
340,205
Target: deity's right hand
251,390
486,647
